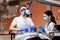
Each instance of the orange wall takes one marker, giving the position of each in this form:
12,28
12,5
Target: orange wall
37,10
55,13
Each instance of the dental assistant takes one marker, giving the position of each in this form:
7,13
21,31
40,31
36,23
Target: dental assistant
50,22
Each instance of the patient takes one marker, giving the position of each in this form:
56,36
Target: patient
33,34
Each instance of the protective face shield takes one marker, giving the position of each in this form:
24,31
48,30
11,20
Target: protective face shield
25,11
46,19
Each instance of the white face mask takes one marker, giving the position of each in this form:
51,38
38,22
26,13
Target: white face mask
22,13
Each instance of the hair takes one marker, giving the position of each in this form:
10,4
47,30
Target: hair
49,13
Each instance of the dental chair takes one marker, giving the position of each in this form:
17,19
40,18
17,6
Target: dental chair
57,33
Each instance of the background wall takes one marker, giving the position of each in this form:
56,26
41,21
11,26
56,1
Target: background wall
37,10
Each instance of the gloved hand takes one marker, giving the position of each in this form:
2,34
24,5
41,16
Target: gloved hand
23,30
42,29
32,29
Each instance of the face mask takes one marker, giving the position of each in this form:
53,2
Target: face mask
25,13
22,13
46,19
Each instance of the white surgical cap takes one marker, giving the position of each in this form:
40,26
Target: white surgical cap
23,8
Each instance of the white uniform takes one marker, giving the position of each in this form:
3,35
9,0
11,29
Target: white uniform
21,22
49,28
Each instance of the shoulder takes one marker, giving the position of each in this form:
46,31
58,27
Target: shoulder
16,18
52,23
29,18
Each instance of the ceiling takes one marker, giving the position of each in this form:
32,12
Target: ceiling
50,2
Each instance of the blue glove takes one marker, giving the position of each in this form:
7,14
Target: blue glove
22,30
26,29
32,29
42,29
39,32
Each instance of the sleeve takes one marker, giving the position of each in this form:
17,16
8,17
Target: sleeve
14,22
50,27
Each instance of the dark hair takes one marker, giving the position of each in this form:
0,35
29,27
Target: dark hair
49,13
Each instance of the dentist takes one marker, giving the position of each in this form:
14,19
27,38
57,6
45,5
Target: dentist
21,22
